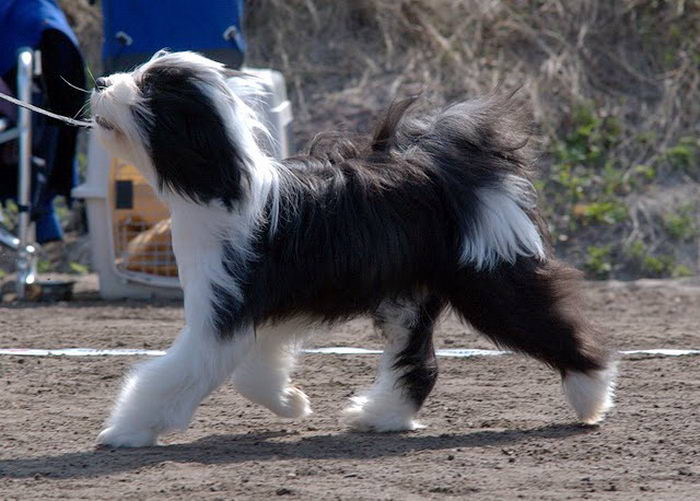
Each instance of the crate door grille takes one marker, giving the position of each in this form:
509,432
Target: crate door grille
141,225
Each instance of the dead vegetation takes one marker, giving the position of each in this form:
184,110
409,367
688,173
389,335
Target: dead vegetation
614,88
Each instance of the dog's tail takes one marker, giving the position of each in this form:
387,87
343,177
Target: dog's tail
478,151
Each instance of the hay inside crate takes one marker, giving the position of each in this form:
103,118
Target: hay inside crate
141,225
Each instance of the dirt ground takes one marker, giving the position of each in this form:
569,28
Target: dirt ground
497,427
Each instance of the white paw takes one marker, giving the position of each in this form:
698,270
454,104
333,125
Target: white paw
293,403
366,415
114,437
591,394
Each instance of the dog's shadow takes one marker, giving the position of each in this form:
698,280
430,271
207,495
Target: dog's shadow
227,449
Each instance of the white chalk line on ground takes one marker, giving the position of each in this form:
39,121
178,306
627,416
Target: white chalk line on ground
338,350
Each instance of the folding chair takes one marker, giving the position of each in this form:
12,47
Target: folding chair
135,29
22,243
38,51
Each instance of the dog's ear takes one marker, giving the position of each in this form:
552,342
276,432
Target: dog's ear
189,142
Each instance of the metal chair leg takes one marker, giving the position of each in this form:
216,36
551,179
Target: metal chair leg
26,254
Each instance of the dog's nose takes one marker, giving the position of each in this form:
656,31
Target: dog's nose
101,84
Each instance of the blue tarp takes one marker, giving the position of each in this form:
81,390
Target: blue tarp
174,24
21,24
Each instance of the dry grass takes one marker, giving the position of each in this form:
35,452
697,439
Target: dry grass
618,54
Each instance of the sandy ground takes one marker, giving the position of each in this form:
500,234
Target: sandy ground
497,427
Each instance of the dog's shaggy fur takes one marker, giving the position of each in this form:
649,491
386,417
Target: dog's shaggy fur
431,211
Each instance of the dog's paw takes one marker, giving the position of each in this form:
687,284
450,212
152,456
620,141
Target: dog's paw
365,415
113,437
591,394
293,403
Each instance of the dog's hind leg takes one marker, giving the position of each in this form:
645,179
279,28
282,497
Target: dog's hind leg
531,307
407,368
263,377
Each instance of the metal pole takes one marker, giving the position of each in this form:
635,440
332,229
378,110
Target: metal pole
25,256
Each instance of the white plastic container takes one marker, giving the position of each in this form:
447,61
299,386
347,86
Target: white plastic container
129,225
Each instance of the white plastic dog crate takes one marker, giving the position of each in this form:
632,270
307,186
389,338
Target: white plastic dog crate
130,227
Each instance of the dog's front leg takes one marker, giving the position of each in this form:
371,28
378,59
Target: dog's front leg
161,395
263,377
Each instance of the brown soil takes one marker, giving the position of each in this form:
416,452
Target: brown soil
497,426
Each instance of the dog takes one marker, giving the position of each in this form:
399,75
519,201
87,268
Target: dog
434,210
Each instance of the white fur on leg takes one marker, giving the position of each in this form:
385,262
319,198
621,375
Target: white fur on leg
385,407
381,409
263,377
262,381
161,395
591,394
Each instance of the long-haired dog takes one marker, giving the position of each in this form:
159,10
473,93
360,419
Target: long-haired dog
431,211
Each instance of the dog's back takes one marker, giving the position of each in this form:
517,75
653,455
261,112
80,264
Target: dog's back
410,206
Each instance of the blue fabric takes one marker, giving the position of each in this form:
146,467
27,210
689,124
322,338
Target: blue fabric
175,24
48,227
21,24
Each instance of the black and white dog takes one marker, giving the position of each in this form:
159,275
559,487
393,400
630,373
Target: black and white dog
430,211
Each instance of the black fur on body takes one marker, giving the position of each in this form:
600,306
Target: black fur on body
365,223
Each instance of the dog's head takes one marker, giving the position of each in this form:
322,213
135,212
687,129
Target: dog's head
179,119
